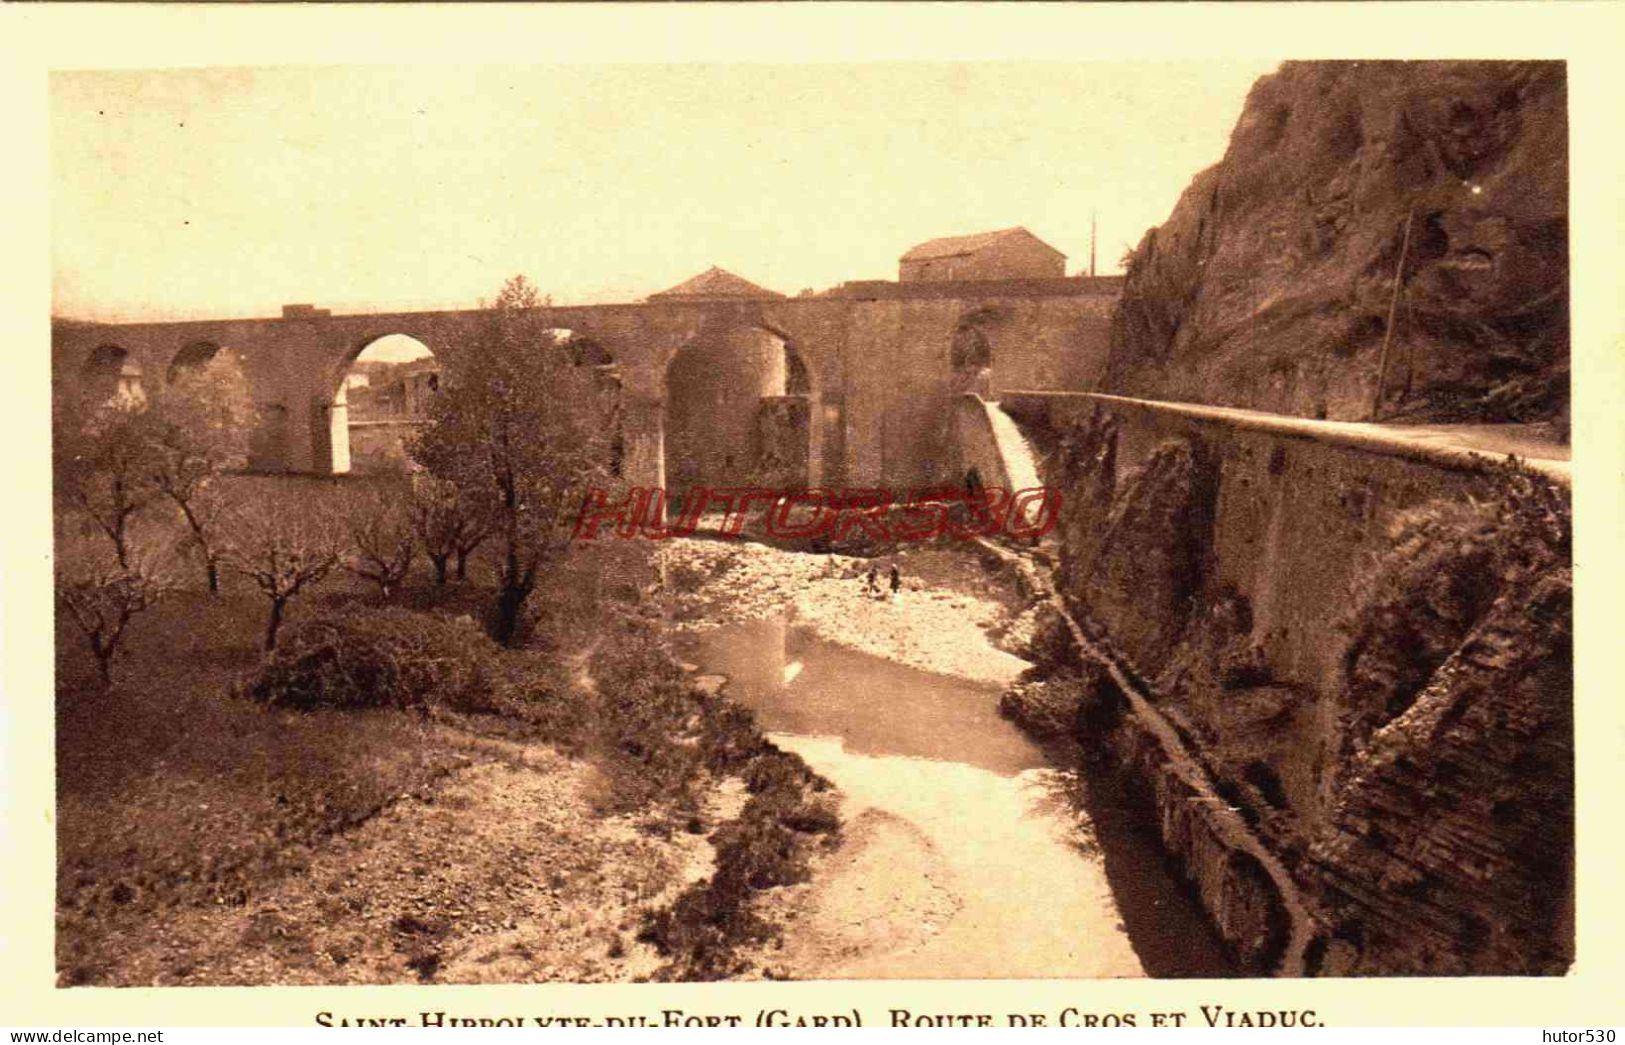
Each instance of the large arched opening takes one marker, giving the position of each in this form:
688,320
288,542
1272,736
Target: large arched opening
739,411
206,381
970,353
110,374
381,399
192,357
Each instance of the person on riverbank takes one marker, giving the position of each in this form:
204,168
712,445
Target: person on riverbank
872,583
896,581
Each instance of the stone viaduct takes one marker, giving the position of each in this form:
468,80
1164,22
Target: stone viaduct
866,386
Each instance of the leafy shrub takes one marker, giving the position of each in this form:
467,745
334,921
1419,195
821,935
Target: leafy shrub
386,657
656,736
773,770
766,847
700,932
645,721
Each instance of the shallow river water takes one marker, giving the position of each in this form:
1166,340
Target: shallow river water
966,854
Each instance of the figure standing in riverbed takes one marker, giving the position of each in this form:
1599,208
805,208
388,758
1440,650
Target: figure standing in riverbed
896,581
872,584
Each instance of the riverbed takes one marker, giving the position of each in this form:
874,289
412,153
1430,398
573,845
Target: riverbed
968,851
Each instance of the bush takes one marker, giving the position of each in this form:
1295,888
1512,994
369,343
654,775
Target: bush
655,736
388,657
765,848
645,721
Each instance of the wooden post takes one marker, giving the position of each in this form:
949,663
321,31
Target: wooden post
1393,304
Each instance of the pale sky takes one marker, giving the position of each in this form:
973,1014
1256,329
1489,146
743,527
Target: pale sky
233,191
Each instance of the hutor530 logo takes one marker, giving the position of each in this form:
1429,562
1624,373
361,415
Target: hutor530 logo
921,515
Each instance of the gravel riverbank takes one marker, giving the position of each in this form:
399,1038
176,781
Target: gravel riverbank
930,625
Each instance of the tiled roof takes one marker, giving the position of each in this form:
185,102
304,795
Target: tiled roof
958,246
715,282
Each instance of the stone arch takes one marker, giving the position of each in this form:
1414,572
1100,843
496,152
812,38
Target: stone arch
104,358
358,426
972,352
109,373
584,347
799,379
791,425
739,409
191,356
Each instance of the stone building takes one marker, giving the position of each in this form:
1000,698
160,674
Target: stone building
403,391
1004,254
382,416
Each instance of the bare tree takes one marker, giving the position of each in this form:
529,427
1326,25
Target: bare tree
473,531
200,429
447,524
382,538
102,595
283,549
521,428
103,465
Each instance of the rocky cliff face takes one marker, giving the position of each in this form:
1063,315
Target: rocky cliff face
1271,283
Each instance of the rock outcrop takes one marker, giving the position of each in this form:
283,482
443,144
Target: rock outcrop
1270,285
1370,657
1451,845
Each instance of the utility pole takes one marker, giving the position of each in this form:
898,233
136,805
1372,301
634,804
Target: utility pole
1393,305
1091,243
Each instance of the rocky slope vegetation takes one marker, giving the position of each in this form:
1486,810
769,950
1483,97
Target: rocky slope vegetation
1271,283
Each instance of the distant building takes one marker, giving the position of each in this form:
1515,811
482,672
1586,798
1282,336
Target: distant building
403,391
418,386
716,284
129,388
1004,254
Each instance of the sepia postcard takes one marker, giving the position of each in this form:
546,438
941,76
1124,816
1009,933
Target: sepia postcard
906,516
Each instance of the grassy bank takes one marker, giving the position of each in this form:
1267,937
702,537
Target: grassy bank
203,798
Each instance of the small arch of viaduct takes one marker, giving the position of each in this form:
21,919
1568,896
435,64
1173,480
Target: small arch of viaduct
874,377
